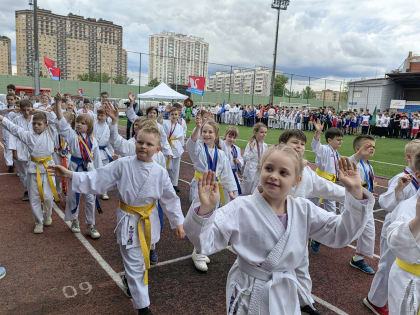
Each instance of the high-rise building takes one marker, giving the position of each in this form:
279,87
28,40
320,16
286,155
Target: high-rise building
5,55
78,45
243,81
173,57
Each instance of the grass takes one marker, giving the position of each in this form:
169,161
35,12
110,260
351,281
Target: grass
387,150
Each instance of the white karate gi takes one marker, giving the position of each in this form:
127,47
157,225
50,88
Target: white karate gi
183,123
22,150
7,151
250,173
198,157
227,114
235,168
65,130
41,145
366,241
166,149
378,293
262,280
139,184
177,148
101,133
403,287
326,160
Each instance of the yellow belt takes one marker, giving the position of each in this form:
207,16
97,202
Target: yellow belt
327,176
411,268
145,237
198,175
43,161
168,160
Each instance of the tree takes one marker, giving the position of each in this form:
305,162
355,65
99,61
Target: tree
308,93
344,95
154,82
119,79
94,77
280,82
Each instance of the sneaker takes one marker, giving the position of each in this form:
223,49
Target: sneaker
105,197
25,196
145,311
361,265
75,228
47,221
93,233
153,257
39,228
375,309
2,272
307,310
11,169
200,261
125,282
315,246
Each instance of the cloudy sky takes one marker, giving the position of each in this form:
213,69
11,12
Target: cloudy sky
320,38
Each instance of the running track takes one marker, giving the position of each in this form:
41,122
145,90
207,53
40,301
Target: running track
59,272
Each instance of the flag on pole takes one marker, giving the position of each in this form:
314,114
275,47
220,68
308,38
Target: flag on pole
80,91
373,120
54,72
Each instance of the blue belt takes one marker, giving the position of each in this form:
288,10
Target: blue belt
103,147
160,212
80,163
238,185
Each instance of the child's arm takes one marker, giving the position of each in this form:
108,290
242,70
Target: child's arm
123,146
97,161
210,232
248,154
226,176
316,143
322,188
17,131
131,115
196,131
390,199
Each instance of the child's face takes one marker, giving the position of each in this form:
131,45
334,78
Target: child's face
147,145
261,134
70,106
136,127
371,148
26,111
208,135
39,126
101,117
297,145
152,114
278,175
81,126
335,142
230,139
173,116
11,101
44,99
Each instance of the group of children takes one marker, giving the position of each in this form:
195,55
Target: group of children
267,216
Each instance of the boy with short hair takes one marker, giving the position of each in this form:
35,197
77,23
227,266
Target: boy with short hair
8,111
401,187
404,123
364,148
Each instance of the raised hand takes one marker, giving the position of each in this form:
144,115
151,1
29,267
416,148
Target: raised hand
403,182
59,171
318,126
111,111
364,150
198,121
350,178
131,97
208,192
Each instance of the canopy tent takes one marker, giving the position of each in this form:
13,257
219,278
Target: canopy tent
162,91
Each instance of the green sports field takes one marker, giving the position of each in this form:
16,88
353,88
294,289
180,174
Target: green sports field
388,160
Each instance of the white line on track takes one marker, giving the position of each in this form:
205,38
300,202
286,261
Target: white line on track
2,174
329,306
378,210
105,266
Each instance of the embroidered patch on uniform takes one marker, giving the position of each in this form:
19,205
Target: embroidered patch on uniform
130,235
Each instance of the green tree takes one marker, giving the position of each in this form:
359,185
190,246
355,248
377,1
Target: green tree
308,93
119,79
344,95
94,77
280,82
154,82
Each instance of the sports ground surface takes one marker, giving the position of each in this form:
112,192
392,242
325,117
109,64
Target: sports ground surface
59,272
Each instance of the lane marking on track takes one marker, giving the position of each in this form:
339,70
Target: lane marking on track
163,263
105,266
184,181
329,306
381,221
2,174
354,247
378,210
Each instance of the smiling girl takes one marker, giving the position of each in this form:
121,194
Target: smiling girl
205,153
269,230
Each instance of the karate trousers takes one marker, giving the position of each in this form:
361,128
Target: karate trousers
71,204
35,200
173,170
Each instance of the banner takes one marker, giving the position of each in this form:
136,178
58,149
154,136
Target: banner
196,85
399,104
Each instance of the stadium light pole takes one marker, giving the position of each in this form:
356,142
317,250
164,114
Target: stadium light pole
35,52
277,5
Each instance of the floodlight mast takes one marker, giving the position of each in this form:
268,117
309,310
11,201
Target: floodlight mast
277,5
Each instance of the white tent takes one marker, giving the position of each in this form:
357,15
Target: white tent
162,91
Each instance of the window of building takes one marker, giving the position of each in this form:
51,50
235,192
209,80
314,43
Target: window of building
357,93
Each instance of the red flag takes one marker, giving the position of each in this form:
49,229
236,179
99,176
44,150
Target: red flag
49,63
54,73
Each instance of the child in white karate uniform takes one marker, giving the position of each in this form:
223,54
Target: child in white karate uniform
205,153
8,110
269,230
181,120
101,134
233,152
403,237
253,153
21,152
401,187
41,187
140,182
175,134
85,156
